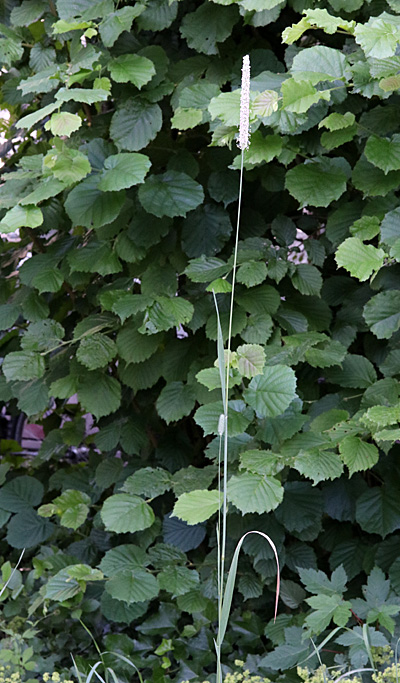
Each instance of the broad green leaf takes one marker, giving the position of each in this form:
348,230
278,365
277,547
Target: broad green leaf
319,181
356,372
123,170
132,585
250,360
72,506
382,314
122,558
226,107
48,187
318,465
273,391
327,608
372,181
178,580
197,506
251,492
186,117
239,417
125,513
384,152
379,36
262,149
361,260
175,401
299,96
99,394
87,205
134,347
307,279
27,13
377,510
131,69
381,416
96,351
30,119
26,529
170,194
135,124
8,315
86,95
42,336
21,217
337,121
20,493
320,63
326,354
357,454
148,481
23,365
208,25
366,227
64,123
251,273
117,22
67,165
206,230
157,15
166,313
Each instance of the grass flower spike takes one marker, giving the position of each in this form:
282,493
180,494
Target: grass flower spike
244,133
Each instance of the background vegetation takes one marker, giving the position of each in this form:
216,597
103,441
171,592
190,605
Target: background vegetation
120,191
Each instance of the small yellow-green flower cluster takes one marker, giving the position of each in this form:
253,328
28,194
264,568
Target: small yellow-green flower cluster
7,677
54,678
388,675
382,655
241,676
322,674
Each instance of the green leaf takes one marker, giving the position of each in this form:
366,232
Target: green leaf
208,25
158,15
327,608
131,69
96,351
20,493
170,194
337,121
148,481
361,260
372,181
239,417
307,279
252,492
384,152
356,372
186,117
117,22
382,314
125,513
99,394
8,315
197,506
319,181
87,205
252,273
318,465
357,454
26,530
366,227
262,149
273,391
135,124
33,396
96,257
27,13
379,36
320,63
226,107
61,587
23,365
21,217
64,123
166,313
72,506
175,401
31,119
377,510
134,347
123,558
131,586
206,230
250,360
123,170
67,165
86,95
178,580
299,96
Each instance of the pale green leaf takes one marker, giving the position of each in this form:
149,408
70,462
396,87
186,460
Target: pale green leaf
125,513
251,492
357,454
319,181
382,313
64,123
131,69
197,506
361,260
273,391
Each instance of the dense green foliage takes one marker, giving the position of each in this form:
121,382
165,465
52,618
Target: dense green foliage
119,196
